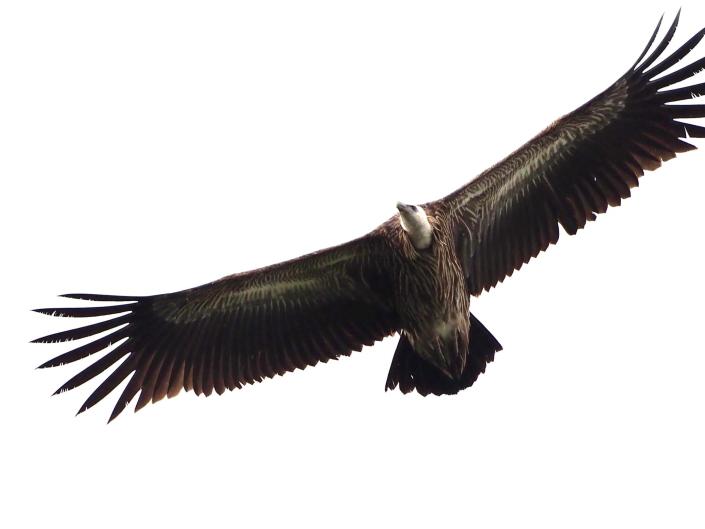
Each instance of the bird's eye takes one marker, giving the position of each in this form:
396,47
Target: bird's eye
413,208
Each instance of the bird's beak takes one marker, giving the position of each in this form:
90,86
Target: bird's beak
402,207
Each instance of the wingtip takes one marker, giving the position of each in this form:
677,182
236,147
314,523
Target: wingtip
641,66
48,311
84,296
677,18
117,410
51,338
63,389
100,297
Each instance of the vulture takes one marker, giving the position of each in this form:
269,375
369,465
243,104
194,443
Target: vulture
413,275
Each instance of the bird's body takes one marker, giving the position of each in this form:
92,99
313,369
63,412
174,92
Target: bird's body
433,302
414,275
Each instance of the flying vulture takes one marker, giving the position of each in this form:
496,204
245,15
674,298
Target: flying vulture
413,275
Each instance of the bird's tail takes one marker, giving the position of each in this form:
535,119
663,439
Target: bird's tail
411,372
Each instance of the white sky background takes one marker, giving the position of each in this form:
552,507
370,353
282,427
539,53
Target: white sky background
153,146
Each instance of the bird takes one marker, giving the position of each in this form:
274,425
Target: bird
413,276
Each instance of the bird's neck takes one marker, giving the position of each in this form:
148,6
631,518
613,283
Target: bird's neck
419,230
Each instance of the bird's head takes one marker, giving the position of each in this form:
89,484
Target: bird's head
414,222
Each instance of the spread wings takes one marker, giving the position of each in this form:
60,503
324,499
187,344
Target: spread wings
237,330
580,165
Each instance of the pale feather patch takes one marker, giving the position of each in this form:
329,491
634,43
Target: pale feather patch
416,224
528,164
445,329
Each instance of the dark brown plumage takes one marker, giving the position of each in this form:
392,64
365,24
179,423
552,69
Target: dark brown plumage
414,274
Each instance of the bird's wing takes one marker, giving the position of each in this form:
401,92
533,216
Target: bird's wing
583,163
239,329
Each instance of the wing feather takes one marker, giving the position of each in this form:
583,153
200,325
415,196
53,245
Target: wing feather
238,330
586,161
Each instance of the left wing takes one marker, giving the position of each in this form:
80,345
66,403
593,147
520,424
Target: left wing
237,330
583,163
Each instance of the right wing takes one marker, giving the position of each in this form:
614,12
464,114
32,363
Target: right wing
583,163
239,329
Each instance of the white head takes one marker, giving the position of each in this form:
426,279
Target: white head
415,222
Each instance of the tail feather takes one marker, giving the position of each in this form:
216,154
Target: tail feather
411,372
